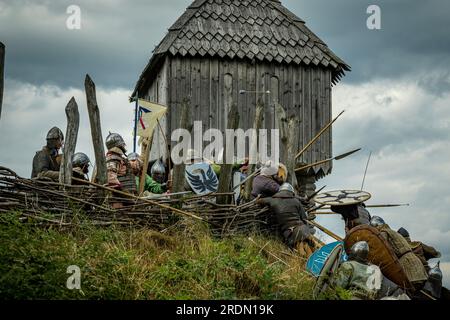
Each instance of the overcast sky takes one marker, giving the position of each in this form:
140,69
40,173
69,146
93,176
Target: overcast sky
397,97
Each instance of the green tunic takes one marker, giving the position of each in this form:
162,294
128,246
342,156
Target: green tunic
363,280
151,185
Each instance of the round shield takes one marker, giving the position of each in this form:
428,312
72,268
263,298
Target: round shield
342,197
328,270
201,178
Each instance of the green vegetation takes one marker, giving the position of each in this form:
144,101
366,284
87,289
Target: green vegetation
127,263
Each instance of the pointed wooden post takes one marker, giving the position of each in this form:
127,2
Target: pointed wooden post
288,136
178,177
145,154
2,68
96,131
257,123
73,123
282,122
226,169
293,127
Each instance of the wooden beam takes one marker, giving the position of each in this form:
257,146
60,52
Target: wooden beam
73,123
257,123
226,169
178,178
96,131
145,154
2,76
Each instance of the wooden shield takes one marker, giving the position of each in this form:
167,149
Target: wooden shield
342,197
380,253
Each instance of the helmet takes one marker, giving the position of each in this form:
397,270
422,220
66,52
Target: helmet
115,140
158,171
55,134
359,252
434,282
133,156
403,232
286,187
435,272
158,168
80,159
376,221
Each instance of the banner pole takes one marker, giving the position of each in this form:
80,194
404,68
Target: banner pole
136,107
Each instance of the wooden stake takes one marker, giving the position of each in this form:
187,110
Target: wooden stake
96,131
293,127
257,123
167,145
178,169
73,123
227,168
145,152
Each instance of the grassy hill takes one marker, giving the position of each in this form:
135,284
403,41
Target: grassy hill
182,262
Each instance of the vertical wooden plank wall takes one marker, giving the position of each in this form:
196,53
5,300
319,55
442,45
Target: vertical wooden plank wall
304,92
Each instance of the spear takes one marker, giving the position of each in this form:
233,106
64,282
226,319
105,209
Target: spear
318,135
315,193
246,179
325,230
339,157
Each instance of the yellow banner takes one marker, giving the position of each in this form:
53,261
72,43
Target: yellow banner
149,114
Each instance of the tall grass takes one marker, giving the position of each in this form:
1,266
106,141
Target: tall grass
184,262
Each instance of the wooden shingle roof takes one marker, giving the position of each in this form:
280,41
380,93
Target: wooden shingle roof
262,30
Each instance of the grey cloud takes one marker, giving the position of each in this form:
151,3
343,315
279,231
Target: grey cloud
413,37
117,38
114,44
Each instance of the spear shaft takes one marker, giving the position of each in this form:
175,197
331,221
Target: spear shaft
318,135
339,157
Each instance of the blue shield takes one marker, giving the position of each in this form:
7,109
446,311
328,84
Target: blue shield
317,259
201,178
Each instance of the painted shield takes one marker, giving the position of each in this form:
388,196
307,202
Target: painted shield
202,178
328,271
342,197
316,261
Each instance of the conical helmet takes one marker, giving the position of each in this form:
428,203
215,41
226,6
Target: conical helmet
80,159
115,140
359,251
55,134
